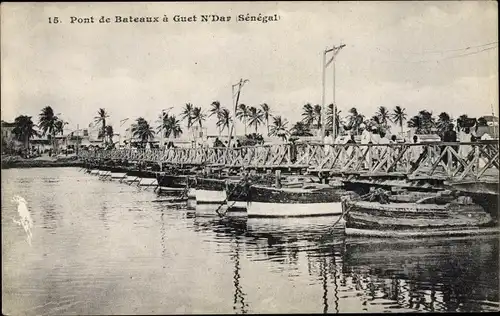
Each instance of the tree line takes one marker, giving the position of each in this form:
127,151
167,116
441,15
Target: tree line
251,117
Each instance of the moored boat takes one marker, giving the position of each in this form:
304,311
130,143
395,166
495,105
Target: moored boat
237,196
309,200
210,191
118,175
428,217
171,183
136,176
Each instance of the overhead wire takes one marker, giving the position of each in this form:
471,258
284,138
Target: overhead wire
438,51
465,53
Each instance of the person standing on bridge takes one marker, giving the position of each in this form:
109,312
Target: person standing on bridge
449,136
465,137
384,150
416,154
328,142
366,138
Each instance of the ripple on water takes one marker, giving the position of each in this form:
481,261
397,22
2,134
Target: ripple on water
104,247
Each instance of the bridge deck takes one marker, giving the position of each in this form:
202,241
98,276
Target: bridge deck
476,161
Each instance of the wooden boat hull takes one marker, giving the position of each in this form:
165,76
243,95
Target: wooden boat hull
141,173
294,202
414,233
210,191
131,179
148,182
237,205
103,173
206,196
409,219
237,195
171,183
118,175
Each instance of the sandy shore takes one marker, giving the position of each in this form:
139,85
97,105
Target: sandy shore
40,162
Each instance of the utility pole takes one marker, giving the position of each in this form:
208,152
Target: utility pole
120,134
334,116
334,50
323,106
240,85
77,138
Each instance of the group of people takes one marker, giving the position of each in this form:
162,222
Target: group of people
219,144
372,135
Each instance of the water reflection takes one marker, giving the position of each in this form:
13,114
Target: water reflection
103,216
165,258
430,275
427,275
239,295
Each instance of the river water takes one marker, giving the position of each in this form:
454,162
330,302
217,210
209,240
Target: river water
103,247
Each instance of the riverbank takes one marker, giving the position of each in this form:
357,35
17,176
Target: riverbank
40,162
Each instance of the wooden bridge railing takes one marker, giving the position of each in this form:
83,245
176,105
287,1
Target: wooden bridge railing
439,160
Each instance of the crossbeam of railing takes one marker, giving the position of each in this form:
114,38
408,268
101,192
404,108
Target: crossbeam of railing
438,160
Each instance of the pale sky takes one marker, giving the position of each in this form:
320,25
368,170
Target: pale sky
410,54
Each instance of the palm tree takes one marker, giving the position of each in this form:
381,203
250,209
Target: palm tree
317,115
329,119
216,110
59,126
109,133
24,129
187,114
47,123
242,113
444,120
198,116
399,116
427,120
224,121
170,126
142,130
301,129
308,114
355,120
461,121
255,117
266,112
416,122
279,128
383,116
101,117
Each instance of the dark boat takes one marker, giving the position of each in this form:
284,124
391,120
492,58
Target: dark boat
427,217
312,199
237,195
171,183
210,191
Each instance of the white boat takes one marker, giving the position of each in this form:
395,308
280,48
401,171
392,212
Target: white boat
210,191
170,189
148,182
206,196
191,194
118,175
103,173
132,179
94,171
294,202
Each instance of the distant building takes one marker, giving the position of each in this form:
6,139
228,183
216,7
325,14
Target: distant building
7,134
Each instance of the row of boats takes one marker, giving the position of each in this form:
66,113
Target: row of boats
377,213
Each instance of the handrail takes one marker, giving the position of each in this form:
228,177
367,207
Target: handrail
452,160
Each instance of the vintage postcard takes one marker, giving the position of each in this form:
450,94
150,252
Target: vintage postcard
249,157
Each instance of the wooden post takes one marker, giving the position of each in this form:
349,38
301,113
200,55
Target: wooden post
278,179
